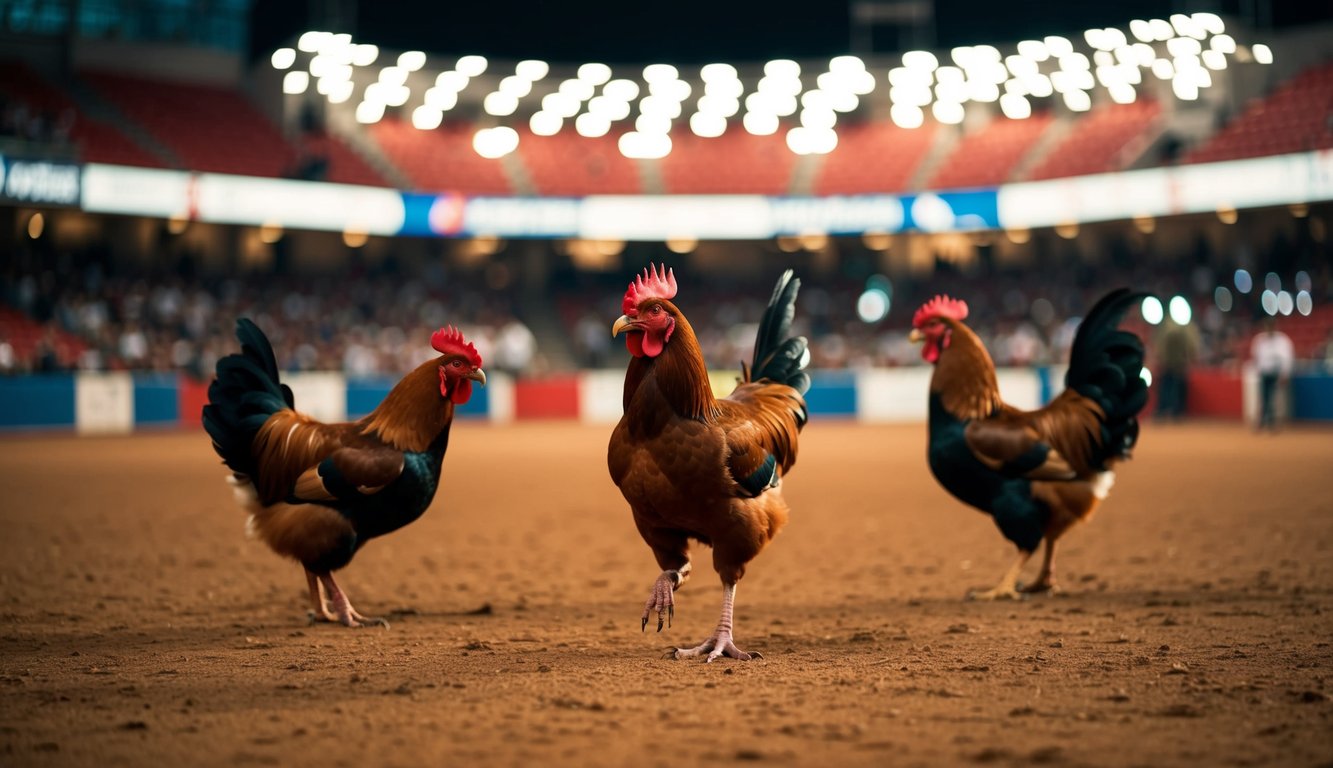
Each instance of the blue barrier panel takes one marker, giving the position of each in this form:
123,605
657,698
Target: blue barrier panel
37,401
832,393
365,395
156,399
478,406
1312,397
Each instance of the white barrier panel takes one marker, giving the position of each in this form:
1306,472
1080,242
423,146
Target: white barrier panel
893,394
600,396
136,191
659,217
229,199
1019,387
103,403
499,398
321,396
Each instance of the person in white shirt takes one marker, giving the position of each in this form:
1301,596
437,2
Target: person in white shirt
1273,355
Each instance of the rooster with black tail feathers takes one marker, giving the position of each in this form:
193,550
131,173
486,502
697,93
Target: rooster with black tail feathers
696,467
1036,473
318,492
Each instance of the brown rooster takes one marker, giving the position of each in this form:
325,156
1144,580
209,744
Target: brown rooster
692,466
317,492
1035,472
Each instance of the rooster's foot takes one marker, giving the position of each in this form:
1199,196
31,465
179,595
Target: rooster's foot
355,620
320,616
1047,586
661,600
714,647
998,593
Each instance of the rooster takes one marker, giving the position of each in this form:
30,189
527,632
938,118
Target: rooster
317,492
693,466
1035,472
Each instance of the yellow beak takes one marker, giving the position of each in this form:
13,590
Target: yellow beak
623,323
478,376
916,336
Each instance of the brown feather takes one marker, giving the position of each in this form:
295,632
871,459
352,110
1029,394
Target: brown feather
413,413
964,375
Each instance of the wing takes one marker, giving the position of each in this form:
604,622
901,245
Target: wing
761,421
1069,429
348,474
1013,448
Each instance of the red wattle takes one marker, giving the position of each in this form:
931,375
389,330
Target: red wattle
634,343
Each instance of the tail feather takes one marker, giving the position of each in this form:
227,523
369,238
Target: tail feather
244,395
778,356
1105,366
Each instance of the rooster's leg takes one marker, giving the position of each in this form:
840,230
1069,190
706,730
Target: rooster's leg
661,599
1008,585
1046,579
343,607
319,610
720,644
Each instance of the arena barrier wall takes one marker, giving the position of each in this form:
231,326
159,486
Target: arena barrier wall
121,402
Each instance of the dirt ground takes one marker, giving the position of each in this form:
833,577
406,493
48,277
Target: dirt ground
140,626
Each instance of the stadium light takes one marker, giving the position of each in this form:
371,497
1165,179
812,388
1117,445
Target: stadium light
919,96
368,112
1123,93
579,90
1262,53
1222,298
516,86
393,75
1058,46
441,99
1269,302
1034,49
1078,101
545,123
1146,375
873,305
1020,65
1225,44
310,42
648,123
283,58
1097,39
621,90
412,60
1304,303
1161,30
1015,106
660,72
907,115
1211,22
1103,58
295,82
811,141
1185,88
499,104
561,104
760,123
719,105
948,112
471,65
592,126
1285,303
427,118
718,72
1039,86
924,61
1185,26
1163,69
819,119
495,143
532,69
1151,309
365,54
644,146
1141,30
707,125
594,73
450,80
1145,53
341,91
982,91
782,69
1180,47
609,108
1180,311
1273,282
1244,283
728,89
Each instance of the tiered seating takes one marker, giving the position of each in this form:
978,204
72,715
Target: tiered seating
207,127
570,165
97,142
345,165
735,162
1097,140
1294,118
441,160
24,334
988,156
873,157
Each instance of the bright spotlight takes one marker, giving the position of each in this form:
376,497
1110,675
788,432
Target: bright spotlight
1269,302
660,72
1304,303
644,146
1244,283
471,66
368,112
1262,53
532,69
708,125
907,116
1285,303
872,306
1180,310
451,80
495,143
621,90
295,82
283,58
782,68
1152,310
500,104
545,123
426,118
760,123
591,125
1146,375
412,60
714,72
947,112
594,73
365,54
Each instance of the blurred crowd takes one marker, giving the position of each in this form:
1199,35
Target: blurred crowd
379,324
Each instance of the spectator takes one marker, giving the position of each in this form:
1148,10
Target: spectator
1177,349
1273,356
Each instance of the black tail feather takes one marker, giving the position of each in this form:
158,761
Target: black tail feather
778,356
1105,366
244,395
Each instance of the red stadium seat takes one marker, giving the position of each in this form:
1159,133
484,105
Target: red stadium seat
1293,118
988,156
873,157
570,165
736,162
441,160
1097,142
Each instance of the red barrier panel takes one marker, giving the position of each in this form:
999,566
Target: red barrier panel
1216,393
192,396
554,398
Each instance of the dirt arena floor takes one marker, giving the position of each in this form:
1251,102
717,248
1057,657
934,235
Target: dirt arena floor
140,626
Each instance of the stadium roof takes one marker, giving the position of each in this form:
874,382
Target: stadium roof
699,31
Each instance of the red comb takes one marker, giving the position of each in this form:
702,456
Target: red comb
940,306
658,285
450,341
